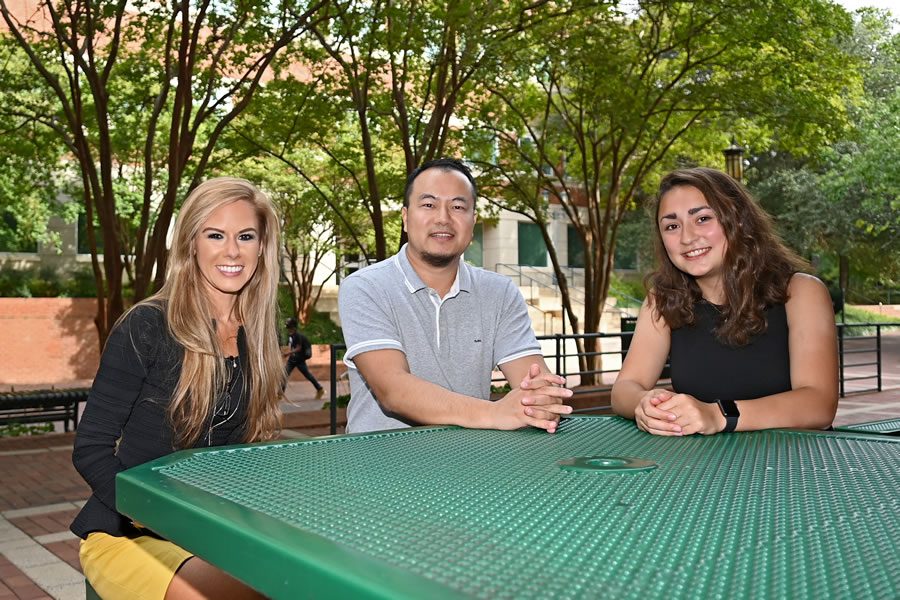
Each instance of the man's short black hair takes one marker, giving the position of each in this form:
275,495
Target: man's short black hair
291,323
445,164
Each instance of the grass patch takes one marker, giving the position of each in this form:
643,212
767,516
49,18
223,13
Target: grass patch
853,314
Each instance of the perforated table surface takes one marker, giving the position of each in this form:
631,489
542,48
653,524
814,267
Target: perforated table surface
885,426
599,509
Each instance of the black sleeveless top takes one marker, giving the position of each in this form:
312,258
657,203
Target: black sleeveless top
711,370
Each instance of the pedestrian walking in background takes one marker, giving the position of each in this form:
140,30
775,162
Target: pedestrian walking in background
299,351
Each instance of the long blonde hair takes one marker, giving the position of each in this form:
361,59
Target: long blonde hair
190,320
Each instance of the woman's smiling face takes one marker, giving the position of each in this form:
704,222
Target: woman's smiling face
692,234
227,247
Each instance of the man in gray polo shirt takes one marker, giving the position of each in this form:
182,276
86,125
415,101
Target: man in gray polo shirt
424,330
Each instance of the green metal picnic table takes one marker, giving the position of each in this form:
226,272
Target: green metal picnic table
599,509
884,427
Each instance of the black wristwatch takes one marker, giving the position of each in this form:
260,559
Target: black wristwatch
730,412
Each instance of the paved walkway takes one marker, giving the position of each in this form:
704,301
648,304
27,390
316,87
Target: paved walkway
40,491
40,494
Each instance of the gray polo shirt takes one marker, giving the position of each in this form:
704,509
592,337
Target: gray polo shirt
454,342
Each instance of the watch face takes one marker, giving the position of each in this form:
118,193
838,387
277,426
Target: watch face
729,408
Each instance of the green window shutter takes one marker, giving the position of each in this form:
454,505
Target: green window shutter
474,254
532,249
575,247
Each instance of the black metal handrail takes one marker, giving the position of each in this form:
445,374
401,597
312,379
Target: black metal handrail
559,356
334,349
549,280
875,348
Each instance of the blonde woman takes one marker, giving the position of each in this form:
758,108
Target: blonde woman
197,364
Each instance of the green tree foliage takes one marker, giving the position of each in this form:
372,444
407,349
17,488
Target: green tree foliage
404,74
140,93
603,103
842,204
30,177
308,230
302,123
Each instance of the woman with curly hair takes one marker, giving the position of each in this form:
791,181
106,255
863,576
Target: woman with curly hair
197,364
751,337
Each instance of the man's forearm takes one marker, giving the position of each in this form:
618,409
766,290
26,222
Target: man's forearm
423,402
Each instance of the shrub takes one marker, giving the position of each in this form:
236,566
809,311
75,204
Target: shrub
628,290
19,429
342,401
322,330
46,282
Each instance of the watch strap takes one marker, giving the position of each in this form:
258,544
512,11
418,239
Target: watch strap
731,413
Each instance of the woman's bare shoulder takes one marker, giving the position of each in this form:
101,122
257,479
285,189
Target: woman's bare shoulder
807,296
806,285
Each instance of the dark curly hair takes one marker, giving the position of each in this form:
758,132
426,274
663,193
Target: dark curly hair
757,265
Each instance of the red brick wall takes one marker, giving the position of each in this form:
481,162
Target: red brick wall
47,341
53,342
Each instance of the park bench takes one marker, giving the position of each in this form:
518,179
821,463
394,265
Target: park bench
42,406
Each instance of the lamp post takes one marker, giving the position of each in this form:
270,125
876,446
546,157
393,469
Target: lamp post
734,160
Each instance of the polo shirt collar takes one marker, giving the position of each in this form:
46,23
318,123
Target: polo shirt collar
414,283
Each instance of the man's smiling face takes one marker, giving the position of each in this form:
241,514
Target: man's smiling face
440,218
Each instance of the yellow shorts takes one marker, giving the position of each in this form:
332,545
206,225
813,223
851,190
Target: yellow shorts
130,567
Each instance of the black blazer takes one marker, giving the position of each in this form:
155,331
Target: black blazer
125,421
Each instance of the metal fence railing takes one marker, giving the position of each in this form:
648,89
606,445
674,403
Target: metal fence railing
863,351
859,356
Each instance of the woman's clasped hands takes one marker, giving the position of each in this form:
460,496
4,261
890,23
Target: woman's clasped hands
663,412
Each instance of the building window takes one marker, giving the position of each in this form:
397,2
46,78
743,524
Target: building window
532,249
575,247
474,254
83,246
